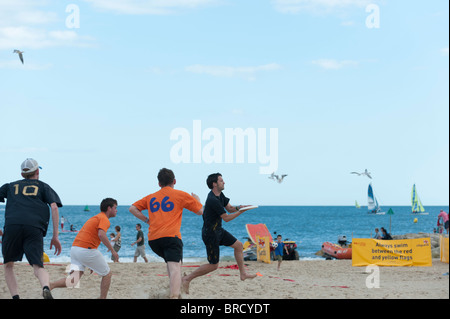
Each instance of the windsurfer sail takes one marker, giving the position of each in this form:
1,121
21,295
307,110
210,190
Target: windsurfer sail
416,204
372,202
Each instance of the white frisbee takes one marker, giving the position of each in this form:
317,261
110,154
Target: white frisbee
243,209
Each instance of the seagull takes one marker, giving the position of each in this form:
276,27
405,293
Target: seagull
366,173
280,179
20,53
277,178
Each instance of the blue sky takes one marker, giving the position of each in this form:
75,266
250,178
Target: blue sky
96,104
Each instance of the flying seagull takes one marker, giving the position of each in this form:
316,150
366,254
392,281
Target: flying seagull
20,53
366,173
277,178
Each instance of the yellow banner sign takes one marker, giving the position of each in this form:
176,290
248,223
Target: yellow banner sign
263,249
405,252
444,249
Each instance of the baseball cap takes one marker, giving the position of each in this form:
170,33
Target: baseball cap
29,166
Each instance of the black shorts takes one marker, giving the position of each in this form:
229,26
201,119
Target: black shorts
213,240
23,239
168,248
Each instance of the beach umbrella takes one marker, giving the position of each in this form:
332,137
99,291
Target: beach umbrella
390,213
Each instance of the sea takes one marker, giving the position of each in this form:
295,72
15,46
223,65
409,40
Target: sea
308,226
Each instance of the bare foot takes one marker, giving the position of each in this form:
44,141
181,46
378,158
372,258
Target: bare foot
247,276
185,285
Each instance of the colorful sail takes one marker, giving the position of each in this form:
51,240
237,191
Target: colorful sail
372,202
357,205
416,204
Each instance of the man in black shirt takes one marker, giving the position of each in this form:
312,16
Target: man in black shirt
214,235
26,221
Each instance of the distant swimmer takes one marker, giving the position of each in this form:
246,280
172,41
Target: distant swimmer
366,173
277,178
20,53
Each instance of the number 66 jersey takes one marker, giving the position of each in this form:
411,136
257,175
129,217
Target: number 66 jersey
165,210
28,203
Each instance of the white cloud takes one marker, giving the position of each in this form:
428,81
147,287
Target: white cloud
317,6
24,12
247,72
140,7
25,24
36,38
330,64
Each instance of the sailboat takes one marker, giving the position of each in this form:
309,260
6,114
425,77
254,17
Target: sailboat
416,205
373,206
357,205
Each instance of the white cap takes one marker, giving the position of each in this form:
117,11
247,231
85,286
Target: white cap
29,166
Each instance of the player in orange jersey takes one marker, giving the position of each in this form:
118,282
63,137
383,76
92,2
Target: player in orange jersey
84,252
165,209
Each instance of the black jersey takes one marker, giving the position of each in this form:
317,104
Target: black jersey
28,203
214,208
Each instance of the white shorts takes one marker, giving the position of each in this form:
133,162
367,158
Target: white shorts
140,251
91,258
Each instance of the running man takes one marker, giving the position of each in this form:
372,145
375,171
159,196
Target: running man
26,222
165,209
214,235
84,252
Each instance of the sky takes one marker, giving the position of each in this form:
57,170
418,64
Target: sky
111,91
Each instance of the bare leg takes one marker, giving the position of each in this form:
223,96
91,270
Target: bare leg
174,270
70,281
10,278
239,256
42,275
202,270
104,285
44,279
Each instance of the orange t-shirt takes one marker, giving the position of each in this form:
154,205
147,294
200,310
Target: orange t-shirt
165,210
88,235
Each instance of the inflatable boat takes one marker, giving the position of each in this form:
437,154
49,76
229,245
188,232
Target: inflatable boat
331,250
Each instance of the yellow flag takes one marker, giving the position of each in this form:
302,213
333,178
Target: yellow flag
263,249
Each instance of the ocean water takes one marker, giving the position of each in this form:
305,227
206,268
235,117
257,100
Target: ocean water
309,226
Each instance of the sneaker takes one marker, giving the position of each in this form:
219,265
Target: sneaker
47,294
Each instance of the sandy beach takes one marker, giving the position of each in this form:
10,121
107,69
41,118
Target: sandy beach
304,279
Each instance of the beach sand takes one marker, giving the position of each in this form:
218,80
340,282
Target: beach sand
304,279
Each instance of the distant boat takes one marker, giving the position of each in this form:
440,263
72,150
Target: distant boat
357,205
416,205
372,203
86,208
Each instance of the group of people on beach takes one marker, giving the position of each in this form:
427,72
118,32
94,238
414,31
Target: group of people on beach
27,218
383,235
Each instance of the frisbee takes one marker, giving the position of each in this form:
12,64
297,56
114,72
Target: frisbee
243,209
